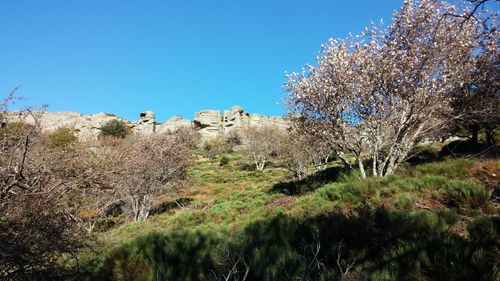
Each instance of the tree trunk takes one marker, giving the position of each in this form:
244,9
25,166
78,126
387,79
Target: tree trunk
344,160
475,139
490,137
361,167
390,166
260,165
374,166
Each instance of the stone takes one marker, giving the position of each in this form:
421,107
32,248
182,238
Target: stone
235,120
147,117
173,124
208,123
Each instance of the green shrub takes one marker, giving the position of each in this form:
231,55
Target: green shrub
405,200
467,194
16,129
454,169
62,137
224,160
484,229
422,222
115,128
155,256
339,192
425,153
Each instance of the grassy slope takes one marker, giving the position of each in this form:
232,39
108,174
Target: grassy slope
415,222
226,199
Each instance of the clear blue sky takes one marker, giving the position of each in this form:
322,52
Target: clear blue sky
171,57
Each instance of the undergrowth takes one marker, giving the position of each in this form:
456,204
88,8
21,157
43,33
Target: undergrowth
430,221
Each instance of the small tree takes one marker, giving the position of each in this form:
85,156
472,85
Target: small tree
304,154
114,128
151,166
261,143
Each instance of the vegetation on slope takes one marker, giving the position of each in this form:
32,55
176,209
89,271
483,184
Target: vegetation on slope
431,221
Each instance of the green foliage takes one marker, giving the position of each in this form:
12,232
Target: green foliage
467,194
405,200
237,217
451,168
62,137
184,255
16,129
425,153
114,128
223,161
386,245
484,229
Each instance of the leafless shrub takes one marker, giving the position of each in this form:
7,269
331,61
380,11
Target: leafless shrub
261,143
35,230
304,154
217,145
148,167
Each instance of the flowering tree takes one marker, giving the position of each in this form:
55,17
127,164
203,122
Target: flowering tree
478,101
379,93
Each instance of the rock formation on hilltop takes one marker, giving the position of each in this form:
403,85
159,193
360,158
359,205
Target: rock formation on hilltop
209,123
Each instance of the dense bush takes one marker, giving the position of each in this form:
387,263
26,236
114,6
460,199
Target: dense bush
35,239
35,229
15,131
484,229
223,161
62,137
114,128
181,256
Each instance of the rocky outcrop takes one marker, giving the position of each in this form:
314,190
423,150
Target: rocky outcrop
85,126
174,123
209,123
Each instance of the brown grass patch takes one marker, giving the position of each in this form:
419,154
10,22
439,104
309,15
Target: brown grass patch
486,173
281,202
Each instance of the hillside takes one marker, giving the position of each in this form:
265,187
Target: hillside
407,224
384,167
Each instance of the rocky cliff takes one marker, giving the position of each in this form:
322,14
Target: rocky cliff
209,123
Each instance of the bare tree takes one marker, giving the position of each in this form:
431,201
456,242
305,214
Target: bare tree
378,94
151,166
261,143
303,154
35,231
